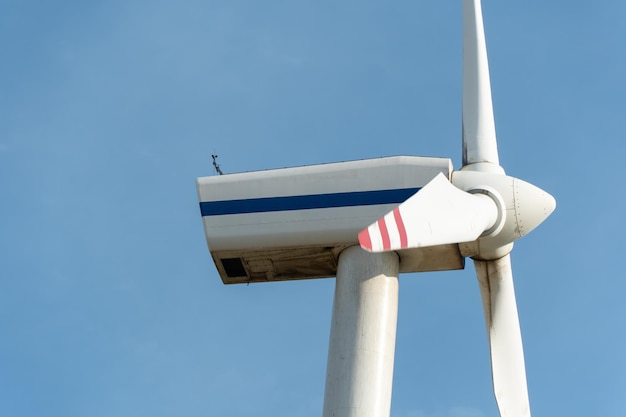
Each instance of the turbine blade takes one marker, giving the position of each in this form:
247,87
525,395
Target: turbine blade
438,214
479,131
505,340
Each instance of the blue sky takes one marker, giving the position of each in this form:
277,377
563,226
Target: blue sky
109,302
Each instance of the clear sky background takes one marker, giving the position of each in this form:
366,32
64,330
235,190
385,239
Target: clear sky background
110,304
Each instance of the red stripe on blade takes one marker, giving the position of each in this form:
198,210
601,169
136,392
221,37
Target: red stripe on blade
365,240
384,233
404,241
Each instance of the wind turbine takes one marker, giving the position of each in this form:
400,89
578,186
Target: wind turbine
309,222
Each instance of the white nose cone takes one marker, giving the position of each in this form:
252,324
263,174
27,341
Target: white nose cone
532,206
521,208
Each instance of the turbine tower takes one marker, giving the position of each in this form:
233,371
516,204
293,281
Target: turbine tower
312,222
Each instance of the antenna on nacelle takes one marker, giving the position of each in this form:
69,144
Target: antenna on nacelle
216,165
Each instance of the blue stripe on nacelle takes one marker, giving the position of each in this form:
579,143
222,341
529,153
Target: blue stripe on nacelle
304,202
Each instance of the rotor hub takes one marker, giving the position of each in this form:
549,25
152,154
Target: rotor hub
521,208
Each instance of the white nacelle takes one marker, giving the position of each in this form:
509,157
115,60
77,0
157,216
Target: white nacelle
292,223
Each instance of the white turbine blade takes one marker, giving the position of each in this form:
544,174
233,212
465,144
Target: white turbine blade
479,131
438,214
505,340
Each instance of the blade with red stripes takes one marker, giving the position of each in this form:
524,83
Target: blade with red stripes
438,214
